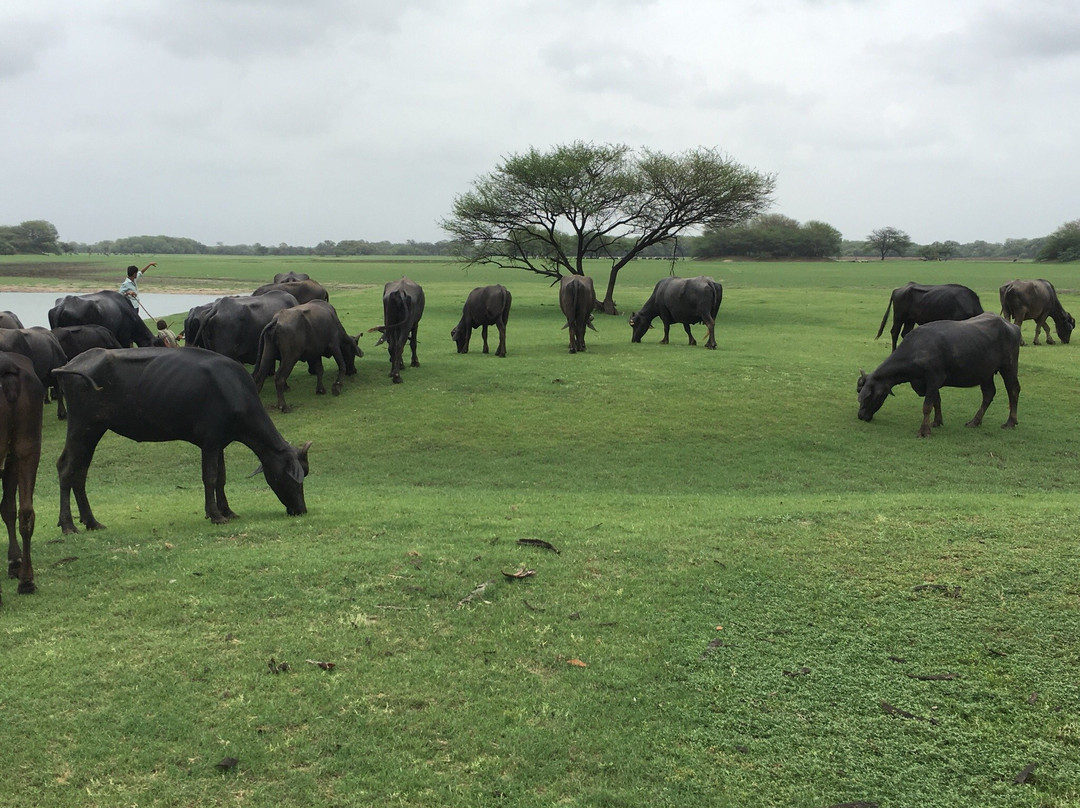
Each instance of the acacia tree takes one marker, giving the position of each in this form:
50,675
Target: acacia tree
546,212
888,239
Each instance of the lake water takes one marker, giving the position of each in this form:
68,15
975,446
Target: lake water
33,307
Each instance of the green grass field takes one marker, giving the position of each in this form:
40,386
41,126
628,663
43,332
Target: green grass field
758,600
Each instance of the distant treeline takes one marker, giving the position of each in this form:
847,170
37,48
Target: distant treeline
772,236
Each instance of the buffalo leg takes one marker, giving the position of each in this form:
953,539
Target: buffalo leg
988,391
412,345
667,327
483,333
710,342
1012,387
1046,330
396,349
931,404
281,381
689,335
7,510
28,466
501,350
72,468
213,474
339,382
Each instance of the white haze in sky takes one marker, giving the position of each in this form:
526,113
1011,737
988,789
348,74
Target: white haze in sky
243,121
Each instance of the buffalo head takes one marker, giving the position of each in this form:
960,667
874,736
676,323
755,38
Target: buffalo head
639,325
285,474
460,335
1064,326
872,394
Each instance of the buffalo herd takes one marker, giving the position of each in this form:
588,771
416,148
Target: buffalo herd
203,394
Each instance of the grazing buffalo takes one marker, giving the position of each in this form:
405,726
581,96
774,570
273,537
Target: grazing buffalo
161,394
232,325
303,291
917,303
680,300
21,399
485,305
9,319
107,308
403,306
42,348
75,339
305,333
577,299
948,353
290,277
1036,300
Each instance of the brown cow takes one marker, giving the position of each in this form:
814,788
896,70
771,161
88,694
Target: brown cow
21,398
577,299
1036,300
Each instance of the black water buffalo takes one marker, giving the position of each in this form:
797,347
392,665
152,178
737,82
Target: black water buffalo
162,394
403,306
21,400
305,333
193,321
43,349
485,305
680,300
948,353
303,291
577,299
1036,300
107,308
9,319
290,276
917,303
232,325
75,339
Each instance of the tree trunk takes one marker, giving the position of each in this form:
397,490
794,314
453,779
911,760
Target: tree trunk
608,304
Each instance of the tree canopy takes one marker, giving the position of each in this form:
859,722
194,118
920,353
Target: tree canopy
546,212
35,236
885,240
1063,244
771,235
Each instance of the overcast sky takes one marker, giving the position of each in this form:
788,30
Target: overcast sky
243,121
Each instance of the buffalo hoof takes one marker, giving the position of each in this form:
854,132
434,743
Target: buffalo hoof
321,391
924,432
336,389
94,524
501,354
14,568
414,364
68,529
711,347
396,380
27,587
1010,424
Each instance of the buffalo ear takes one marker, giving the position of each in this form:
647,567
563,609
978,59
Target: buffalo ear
301,455
257,471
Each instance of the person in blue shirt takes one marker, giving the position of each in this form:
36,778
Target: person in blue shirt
130,287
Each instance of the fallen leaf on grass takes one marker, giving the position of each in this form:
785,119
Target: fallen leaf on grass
227,763
277,667
520,573
934,677
577,663
798,672
1023,775
888,708
544,545
66,560
326,666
